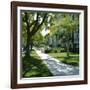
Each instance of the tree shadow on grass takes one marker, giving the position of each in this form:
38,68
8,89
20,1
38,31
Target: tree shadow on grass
34,67
71,60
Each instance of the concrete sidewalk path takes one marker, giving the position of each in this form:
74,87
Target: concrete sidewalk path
56,67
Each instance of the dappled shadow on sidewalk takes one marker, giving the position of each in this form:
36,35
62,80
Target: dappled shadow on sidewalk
61,69
56,67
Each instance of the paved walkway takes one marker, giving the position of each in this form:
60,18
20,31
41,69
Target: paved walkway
56,67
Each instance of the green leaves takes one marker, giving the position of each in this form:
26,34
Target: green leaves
69,23
62,24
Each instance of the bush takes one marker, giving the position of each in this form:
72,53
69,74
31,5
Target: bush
52,50
62,50
47,49
55,50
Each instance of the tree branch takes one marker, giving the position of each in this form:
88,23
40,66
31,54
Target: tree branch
36,28
32,23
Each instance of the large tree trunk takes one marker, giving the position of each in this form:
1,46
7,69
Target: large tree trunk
31,46
28,43
28,36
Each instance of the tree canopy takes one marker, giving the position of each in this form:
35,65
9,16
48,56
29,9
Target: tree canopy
33,22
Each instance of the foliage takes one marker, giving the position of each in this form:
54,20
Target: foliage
37,39
54,50
62,24
66,26
31,23
69,25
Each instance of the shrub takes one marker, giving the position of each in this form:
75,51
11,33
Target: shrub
55,50
62,49
47,49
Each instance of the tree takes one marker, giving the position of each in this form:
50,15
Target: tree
32,22
64,25
69,25
37,39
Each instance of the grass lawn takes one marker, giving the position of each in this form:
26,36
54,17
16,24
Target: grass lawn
72,60
34,67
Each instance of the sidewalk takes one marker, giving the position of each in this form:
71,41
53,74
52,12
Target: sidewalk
56,67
